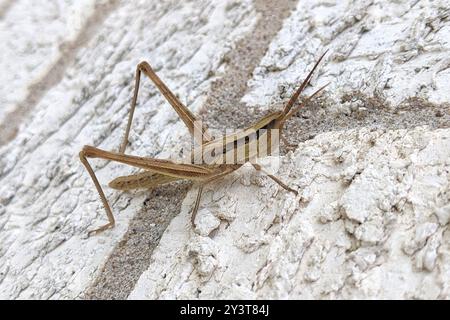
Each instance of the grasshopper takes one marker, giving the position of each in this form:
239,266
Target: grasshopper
160,171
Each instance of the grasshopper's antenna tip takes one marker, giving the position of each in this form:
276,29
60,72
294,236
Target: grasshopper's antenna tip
305,82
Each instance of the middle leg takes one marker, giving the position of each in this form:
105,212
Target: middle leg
278,181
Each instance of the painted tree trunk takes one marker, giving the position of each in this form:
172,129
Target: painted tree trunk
369,157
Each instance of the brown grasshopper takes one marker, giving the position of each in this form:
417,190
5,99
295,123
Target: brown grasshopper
159,171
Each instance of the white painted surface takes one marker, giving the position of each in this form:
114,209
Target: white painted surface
365,225
395,48
48,203
371,220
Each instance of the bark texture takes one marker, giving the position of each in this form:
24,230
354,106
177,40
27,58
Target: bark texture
370,157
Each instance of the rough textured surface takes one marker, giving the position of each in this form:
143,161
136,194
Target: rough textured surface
370,158
132,255
388,65
365,224
33,65
397,49
47,200
330,241
121,271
